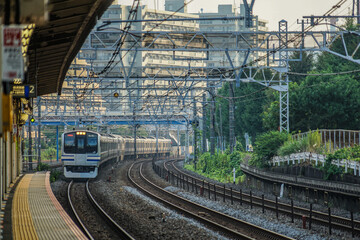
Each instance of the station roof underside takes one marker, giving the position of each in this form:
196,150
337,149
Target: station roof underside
54,45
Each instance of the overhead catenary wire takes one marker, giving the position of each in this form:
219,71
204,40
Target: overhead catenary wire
117,50
132,14
230,70
294,90
292,40
324,74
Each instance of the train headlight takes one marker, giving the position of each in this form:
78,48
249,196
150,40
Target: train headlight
80,133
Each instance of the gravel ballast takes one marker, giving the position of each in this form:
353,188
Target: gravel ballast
144,218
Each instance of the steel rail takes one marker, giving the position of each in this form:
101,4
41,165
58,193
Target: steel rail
122,232
82,226
252,228
317,217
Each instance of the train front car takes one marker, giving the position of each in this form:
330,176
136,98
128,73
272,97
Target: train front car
80,154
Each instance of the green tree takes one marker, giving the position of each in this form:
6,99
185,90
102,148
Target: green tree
270,115
324,101
320,102
267,145
48,154
304,66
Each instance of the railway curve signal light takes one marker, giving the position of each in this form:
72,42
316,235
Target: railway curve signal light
32,119
196,123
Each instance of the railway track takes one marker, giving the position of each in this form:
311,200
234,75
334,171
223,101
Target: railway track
313,217
228,225
92,219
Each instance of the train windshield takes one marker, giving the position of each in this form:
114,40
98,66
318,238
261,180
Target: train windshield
80,142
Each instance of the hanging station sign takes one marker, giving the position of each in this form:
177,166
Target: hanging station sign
12,59
23,91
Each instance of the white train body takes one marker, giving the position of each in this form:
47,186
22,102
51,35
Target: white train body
83,151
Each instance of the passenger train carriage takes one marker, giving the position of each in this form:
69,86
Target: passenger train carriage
83,151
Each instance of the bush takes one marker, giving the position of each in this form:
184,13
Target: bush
49,153
218,166
55,175
42,167
350,153
310,143
292,146
313,143
330,169
267,145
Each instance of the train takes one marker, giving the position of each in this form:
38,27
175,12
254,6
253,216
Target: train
83,151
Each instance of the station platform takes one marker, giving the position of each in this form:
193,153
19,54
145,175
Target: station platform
36,213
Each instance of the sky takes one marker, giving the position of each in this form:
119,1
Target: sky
276,10
271,10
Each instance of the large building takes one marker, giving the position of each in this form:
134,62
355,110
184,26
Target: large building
224,29
134,75
138,80
176,6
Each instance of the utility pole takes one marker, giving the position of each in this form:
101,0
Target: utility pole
157,141
231,117
39,131
57,130
284,84
212,121
30,147
221,129
195,126
248,13
204,147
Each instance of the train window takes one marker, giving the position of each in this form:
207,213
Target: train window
92,143
69,140
80,143
84,143
91,140
69,143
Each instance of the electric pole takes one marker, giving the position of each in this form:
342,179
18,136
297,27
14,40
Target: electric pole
231,117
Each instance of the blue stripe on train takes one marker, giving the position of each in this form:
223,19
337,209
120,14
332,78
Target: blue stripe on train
67,159
93,160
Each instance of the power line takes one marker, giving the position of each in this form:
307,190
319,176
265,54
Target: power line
117,50
243,96
323,74
291,40
295,90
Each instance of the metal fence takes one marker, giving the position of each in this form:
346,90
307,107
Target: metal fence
334,138
317,159
28,166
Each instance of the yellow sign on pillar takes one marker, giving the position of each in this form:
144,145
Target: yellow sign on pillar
7,112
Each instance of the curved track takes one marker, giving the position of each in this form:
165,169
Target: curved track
80,223
110,229
229,226
317,217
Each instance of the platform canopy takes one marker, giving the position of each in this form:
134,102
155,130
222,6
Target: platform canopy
54,45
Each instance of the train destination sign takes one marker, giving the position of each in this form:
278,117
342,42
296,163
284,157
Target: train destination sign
23,91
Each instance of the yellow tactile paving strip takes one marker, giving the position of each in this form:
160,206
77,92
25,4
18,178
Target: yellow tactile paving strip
23,226
48,222
79,234
36,213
